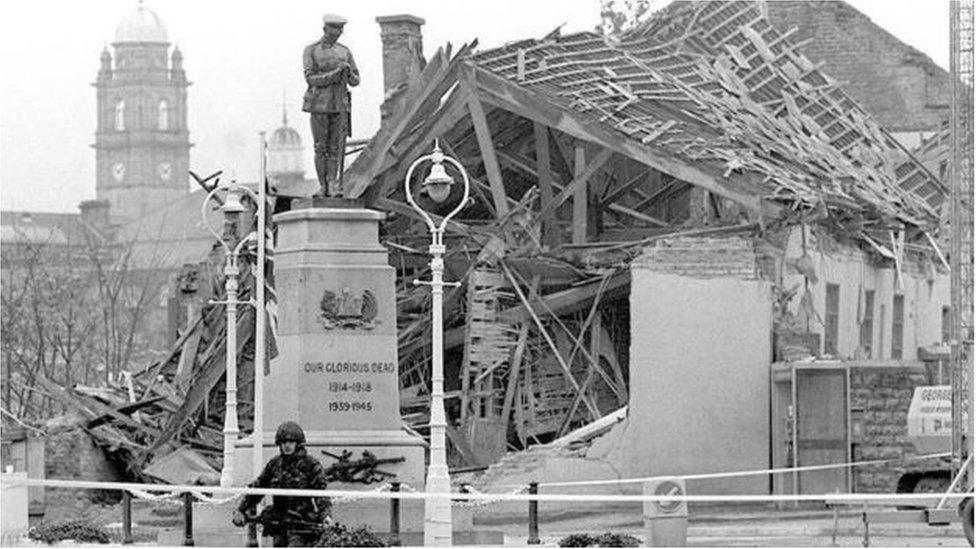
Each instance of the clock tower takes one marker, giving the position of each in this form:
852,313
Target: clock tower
142,145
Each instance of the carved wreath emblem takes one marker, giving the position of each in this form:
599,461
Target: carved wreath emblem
346,310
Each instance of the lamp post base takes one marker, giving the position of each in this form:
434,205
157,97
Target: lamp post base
437,511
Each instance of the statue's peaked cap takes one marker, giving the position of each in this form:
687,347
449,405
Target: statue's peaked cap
333,19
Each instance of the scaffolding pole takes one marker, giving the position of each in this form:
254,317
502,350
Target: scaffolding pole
961,231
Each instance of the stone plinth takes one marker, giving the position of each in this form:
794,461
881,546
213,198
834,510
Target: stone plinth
336,371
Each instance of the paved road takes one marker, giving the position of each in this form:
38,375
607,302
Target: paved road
817,541
757,532
790,541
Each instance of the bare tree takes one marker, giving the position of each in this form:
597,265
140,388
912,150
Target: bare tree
619,16
72,313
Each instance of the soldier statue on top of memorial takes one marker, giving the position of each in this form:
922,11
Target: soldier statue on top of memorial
329,71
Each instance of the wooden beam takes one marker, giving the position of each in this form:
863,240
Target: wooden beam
504,94
578,181
581,193
542,166
658,193
129,409
478,187
406,211
211,369
567,372
106,410
492,169
469,455
637,215
368,165
555,183
566,300
627,186
515,365
442,120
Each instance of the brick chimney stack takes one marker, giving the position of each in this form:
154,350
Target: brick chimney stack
403,55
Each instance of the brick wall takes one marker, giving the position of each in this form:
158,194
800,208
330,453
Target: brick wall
902,88
881,397
701,257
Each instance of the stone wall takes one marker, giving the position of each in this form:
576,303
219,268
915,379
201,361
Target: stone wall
880,398
72,455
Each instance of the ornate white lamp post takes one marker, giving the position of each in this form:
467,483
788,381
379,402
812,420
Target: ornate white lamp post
232,207
437,185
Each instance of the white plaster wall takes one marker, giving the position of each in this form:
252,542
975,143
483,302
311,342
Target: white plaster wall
852,269
699,371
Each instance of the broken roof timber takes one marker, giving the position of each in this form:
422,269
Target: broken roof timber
430,86
488,156
503,94
746,118
731,95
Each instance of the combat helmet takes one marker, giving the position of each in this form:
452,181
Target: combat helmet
289,431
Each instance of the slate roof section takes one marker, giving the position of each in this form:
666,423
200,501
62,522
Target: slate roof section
715,85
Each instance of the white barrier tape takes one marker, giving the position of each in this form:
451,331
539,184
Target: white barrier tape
209,499
383,488
833,497
494,498
486,502
732,474
170,497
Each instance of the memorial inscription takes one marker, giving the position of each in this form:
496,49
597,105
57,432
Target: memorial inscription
355,395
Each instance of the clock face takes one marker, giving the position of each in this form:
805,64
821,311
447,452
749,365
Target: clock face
118,171
165,171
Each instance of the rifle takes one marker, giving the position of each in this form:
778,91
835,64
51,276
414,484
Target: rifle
291,521
364,470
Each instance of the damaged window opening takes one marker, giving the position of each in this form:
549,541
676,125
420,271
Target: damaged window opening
867,325
897,326
946,324
831,319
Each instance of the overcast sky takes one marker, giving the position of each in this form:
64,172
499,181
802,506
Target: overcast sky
242,57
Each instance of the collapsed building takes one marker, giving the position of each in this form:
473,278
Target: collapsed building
666,231
703,145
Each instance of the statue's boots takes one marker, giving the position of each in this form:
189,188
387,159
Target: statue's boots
321,170
332,176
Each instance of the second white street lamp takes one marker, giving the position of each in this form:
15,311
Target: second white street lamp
437,185
232,209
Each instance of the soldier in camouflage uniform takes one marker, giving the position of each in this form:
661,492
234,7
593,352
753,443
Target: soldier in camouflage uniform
292,521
